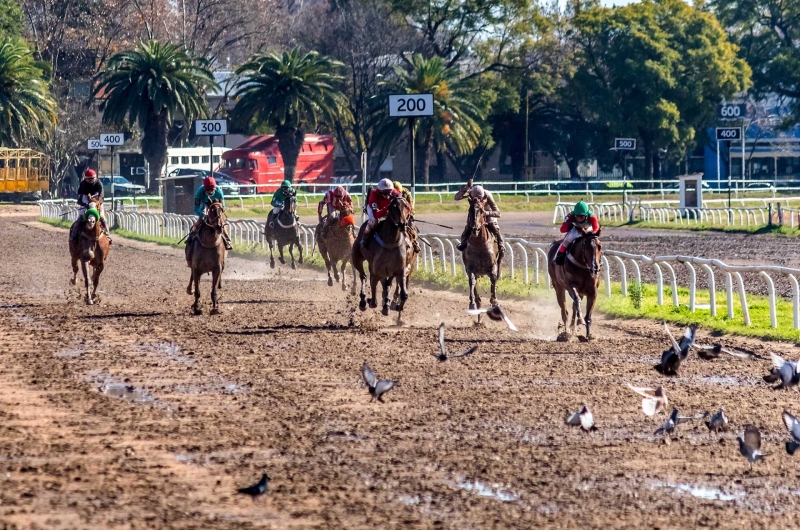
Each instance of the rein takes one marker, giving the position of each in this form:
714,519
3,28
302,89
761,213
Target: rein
593,269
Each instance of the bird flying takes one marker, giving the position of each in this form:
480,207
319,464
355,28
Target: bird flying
783,372
653,400
750,445
260,488
376,388
442,356
671,359
584,418
793,424
495,313
717,422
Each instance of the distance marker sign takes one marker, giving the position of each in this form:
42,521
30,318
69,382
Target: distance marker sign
410,105
211,127
729,133
625,144
112,139
96,145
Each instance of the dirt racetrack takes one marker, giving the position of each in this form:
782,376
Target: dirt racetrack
134,414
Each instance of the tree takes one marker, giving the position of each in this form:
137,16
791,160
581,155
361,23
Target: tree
655,70
27,107
767,32
11,21
151,86
291,93
458,116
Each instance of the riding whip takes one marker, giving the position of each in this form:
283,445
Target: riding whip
434,224
480,158
184,237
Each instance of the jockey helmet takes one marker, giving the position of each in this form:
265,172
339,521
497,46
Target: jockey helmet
89,174
286,184
339,192
209,184
477,192
91,212
385,185
581,209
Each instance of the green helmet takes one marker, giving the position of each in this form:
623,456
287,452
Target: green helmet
286,184
91,212
581,209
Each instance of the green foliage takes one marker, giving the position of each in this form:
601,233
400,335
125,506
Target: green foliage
292,93
635,294
11,19
27,107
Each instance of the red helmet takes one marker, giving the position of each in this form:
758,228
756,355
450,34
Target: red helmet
89,174
209,183
339,192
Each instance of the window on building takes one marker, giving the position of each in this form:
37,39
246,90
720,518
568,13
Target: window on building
205,160
195,160
184,160
216,159
173,160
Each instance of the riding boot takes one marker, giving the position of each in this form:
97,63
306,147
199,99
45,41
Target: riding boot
560,257
365,238
464,238
105,230
271,220
226,239
501,248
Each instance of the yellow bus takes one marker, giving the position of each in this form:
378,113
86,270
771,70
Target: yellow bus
23,171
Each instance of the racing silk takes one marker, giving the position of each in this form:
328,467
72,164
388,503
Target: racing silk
340,204
87,189
489,206
202,200
591,224
378,205
280,197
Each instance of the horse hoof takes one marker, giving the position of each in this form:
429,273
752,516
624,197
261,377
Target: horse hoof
373,305
385,311
283,261
581,338
562,337
362,306
330,281
96,299
471,306
197,311
580,322
293,265
214,311
272,263
393,306
72,281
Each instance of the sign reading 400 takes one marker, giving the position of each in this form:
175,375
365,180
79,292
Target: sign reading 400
729,133
410,105
112,139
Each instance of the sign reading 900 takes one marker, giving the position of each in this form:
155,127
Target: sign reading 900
729,133
732,111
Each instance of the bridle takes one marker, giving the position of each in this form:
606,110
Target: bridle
593,267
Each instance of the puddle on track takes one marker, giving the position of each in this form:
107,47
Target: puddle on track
168,350
701,492
107,385
494,491
70,352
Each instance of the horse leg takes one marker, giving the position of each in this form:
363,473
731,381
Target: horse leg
280,254
86,282
472,291
385,307
323,251
291,254
271,255
300,247
215,278
344,274
191,280
373,285
576,309
353,285
196,306
74,279
96,280
493,296
561,297
591,298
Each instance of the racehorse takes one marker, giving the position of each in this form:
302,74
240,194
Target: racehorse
91,250
337,247
390,257
205,253
481,257
285,231
578,277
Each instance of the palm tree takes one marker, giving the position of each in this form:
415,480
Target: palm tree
457,119
291,93
151,86
27,107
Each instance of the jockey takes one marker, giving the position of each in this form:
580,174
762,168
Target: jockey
335,200
89,191
492,213
206,194
278,199
377,207
412,230
579,222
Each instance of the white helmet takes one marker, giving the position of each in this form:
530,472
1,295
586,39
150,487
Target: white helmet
385,185
477,192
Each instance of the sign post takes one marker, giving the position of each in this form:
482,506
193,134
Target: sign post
625,144
211,128
94,144
733,111
411,106
363,185
728,134
112,140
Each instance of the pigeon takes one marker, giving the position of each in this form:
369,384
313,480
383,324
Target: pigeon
674,420
495,313
256,490
584,418
793,424
711,352
671,359
443,356
750,445
376,388
782,371
717,422
654,401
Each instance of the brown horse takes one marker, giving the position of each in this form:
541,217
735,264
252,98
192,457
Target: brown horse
285,231
481,257
578,277
92,250
390,256
205,252
337,247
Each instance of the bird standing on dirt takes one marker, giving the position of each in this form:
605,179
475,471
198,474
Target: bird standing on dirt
256,490
793,424
782,371
717,422
653,401
674,420
750,445
496,313
671,359
376,388
443,355
584,418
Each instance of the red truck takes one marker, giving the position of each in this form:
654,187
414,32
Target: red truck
258,161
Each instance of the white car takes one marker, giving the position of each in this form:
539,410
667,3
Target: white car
122,186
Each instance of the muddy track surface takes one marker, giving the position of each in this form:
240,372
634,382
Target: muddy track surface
135,414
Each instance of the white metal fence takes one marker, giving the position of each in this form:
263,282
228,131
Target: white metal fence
525,260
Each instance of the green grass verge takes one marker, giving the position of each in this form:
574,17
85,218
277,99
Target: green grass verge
623,307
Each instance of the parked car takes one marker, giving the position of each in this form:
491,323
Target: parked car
228,186
122,186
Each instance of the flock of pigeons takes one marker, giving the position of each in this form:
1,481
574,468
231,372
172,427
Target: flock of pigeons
783,372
